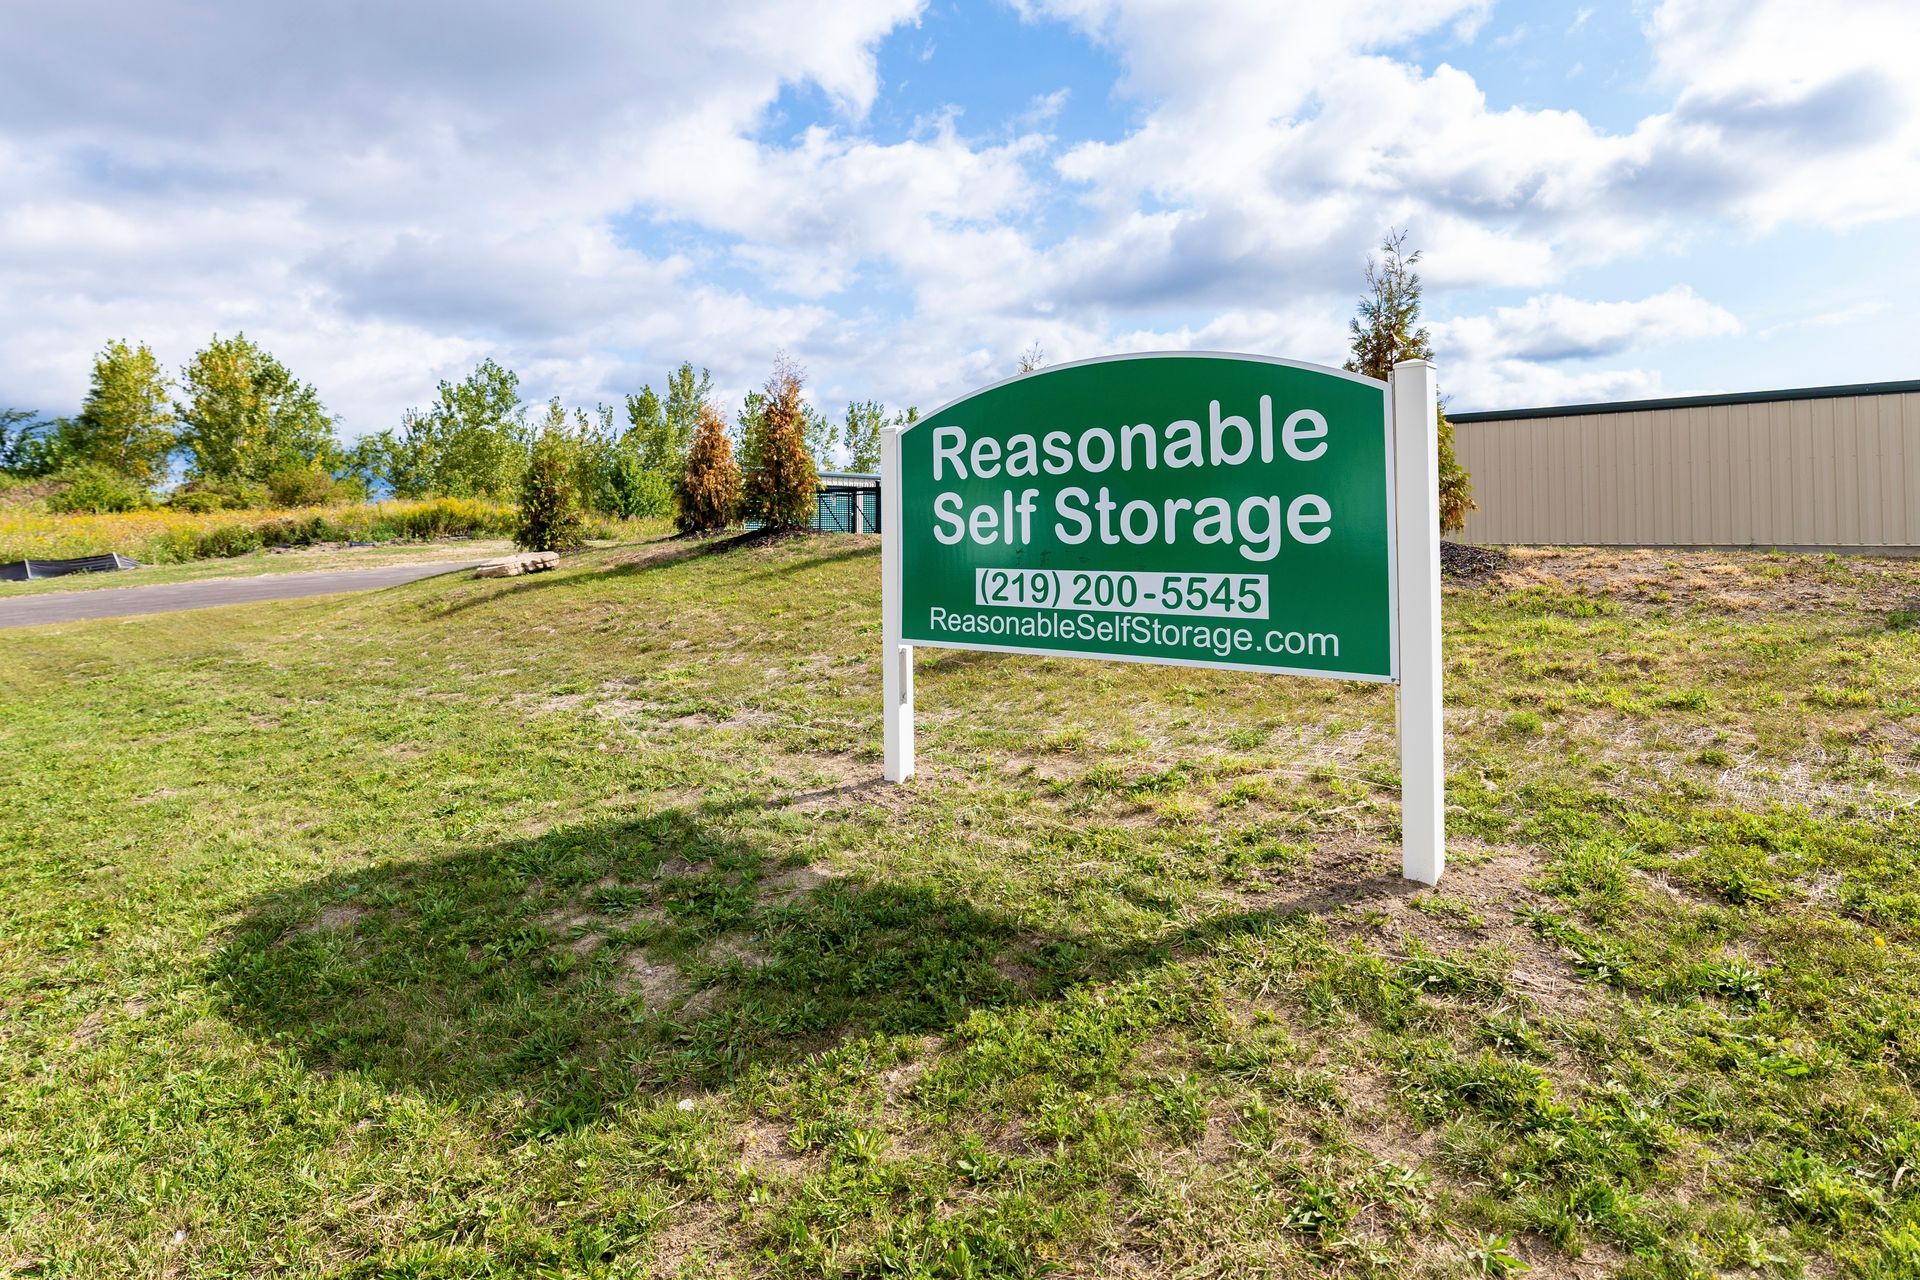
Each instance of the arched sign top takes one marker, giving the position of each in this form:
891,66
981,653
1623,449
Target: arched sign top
1145,355
1188,508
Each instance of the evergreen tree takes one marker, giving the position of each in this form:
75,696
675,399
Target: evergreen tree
246,417
550,515
708,495
781,488
1387,330
126,421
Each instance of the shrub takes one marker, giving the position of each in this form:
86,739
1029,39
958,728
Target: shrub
307,486
709,490
227,495
781,489
171,535
550,515
225,541
633,490
93,490
196,502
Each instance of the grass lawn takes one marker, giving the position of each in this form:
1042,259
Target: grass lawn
294,560
561,926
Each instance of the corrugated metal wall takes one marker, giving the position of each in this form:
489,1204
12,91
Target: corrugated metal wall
1833,471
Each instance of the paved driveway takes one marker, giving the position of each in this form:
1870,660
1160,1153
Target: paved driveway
120,602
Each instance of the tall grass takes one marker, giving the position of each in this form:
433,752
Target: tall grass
172,537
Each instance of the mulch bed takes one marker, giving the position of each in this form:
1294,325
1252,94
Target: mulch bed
1458,560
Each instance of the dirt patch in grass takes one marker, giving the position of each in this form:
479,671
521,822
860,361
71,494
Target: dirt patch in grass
1713,579
335,918
763,1142
1354,884
795,883
657,983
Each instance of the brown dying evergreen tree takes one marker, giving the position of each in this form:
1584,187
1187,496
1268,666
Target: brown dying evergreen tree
707,496
782,486
1388,330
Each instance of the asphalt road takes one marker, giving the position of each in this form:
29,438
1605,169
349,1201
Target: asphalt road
170,597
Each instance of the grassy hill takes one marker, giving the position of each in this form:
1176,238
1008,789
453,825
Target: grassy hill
562,926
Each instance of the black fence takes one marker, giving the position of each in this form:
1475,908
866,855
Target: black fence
33,570
847,509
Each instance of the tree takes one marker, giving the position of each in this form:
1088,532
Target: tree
862,434
29,443
472,442
781,488
647,435
686,397
246,417
550,515
821,435
635,489
1387,330
708,495
652,454
865,420
126,423
749,428
1034,357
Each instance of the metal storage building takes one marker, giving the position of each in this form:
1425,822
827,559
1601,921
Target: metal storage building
1817,468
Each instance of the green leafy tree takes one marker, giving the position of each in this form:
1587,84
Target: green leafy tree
865,420
245,416
1387,330
708,494
635,489
687,395
92,488
861,431
550,514
821,434
126,423
29,443
781,489
749,431
646,435
472,442
598,444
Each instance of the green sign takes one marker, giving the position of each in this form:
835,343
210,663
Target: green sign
1200,510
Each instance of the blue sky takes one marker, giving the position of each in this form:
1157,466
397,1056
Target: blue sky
1614,201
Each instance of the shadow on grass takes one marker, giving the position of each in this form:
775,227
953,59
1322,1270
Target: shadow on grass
597,963
593,963
864,550
658,554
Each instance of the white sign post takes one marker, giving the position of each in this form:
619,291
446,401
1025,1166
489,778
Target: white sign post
1416,516
897,683
1020,572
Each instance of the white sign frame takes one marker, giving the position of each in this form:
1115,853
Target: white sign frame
1413,476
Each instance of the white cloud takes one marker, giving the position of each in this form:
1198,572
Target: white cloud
1514,356
1550,327
384,193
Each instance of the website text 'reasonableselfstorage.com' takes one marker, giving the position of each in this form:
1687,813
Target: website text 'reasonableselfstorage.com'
1220,641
